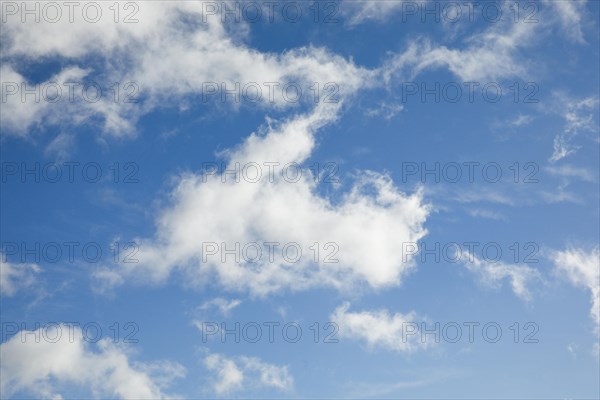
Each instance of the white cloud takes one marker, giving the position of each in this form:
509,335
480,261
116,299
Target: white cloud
230,377
223,305
581,268
575,121
492,274
386,111
176,64
17,277
562,148
495,53
398,332
365,227
49,366
492,55
23,113
360,11
195,48
245,373
579,117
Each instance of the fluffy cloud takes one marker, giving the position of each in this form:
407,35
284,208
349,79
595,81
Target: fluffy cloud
492,274
44,368
358,236
244,373
193,52
16,277
398,332
581,268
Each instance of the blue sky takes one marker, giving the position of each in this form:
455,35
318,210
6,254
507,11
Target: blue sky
377,193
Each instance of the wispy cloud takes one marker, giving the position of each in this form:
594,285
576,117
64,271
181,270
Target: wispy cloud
493,273
380,329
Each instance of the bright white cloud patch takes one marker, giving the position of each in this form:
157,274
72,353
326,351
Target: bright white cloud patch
62,361
244,373
398,332
357,237
196,51
581,268
16,277
366,229
493,273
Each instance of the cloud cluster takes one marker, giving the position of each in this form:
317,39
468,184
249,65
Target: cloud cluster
194,51
366,225
196,47
246,373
